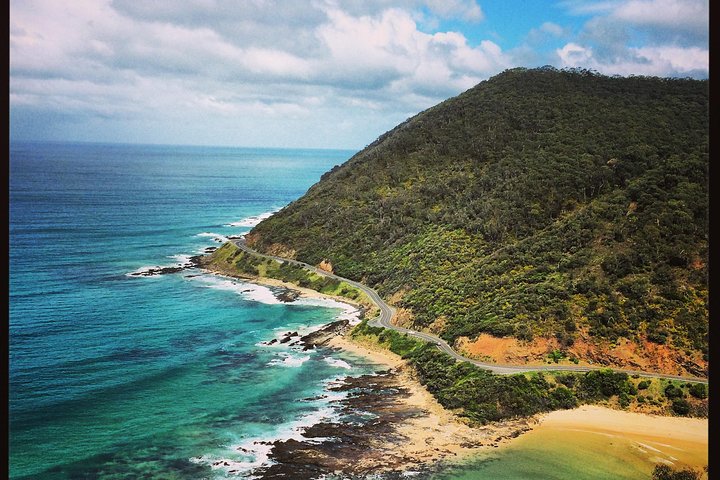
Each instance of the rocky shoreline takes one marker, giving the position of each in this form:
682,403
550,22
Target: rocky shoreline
193,262
374,435
389,426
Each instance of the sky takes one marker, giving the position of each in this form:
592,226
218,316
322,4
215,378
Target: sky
309,73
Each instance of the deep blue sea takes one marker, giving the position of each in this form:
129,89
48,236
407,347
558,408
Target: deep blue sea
121,376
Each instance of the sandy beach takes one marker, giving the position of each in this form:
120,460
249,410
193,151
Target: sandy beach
677,441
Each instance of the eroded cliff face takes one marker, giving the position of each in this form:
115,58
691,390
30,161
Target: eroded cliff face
641,356
278,249
326,266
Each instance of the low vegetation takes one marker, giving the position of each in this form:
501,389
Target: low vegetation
232,260
483,397
666,472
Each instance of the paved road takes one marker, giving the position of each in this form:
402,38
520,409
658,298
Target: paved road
387,312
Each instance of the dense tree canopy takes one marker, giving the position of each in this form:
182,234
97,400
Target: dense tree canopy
534,204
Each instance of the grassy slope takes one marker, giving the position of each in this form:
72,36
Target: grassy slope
230,260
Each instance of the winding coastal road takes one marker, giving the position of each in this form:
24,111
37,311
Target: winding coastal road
387,312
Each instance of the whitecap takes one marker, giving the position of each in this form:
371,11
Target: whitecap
251,453
183,261
289,360
252,220
215,236
349,312
261,293
249,291
336,362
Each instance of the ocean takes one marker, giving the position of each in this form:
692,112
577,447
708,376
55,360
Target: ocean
121,376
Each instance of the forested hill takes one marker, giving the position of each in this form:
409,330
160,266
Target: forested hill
563,207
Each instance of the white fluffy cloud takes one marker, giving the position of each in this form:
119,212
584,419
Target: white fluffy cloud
291,73
641,37
671,14
197,58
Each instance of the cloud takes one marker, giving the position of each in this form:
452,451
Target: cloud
671,14
667,20
390,52
206,60
642,37
652,61
574,55
218,68
467,10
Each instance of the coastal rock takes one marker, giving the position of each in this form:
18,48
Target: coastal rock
287,295
193,261
326,265
349,448
158,271
322,337
288,336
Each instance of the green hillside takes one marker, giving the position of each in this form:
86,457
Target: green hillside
538,204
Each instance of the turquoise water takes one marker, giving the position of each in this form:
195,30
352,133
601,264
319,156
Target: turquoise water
118,376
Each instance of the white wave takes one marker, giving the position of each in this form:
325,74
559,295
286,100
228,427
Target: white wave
336,362
349,312
183,261
215,236
249,291
284,331
254,452
252,220
144,270
263,294
259,293
288,360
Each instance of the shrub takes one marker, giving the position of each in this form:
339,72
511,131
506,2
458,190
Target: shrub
602,384
672,392
563,397
569,380
643,385
681,406
665,472
698,390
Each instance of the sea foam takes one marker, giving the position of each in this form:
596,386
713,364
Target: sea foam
289,360
263,294
182,261
249,291
336,362
251,453
252,220
215,236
